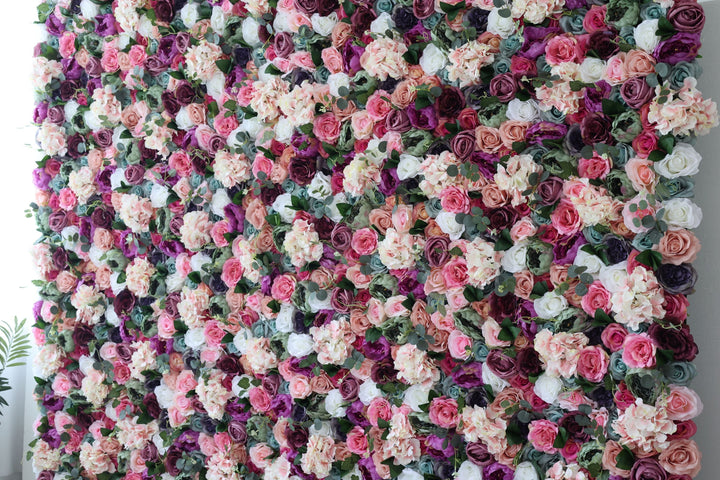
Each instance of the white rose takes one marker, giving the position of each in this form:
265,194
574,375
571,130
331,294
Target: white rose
409,474
159,195
589,261
550,305
320,186
216,85
124,40
645,37
116,286
241,339
373,153
548,387
70,110
220,200
284,320
515,258
592,70
198,260
195,338
252,127
218,19
525,471
182,119
282,206
324,25
250,28
70,237
523,111
332,210
408,167
174,282
468,471
683,161
337,80
367,391
111,317
165,395
316,304
382,23
299,344
681,213
281,22
92,121
85,364
495,382
233,141
333,404
117,178
415,396
446,222
432,60
500,25
325,429
614,277
283,129
112,415
89,10
189,14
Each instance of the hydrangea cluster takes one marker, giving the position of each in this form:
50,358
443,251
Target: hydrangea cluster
365,240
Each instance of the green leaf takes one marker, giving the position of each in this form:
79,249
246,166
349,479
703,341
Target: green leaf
610,107
224,65
650,259
625,459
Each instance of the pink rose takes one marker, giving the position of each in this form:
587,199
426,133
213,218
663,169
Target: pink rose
283,288
561,49
565,219
379,408
364,241
455,200
332,59
613,336
137,55
459,345
639,351
232,272
166,326
326,127
67,44
218,231
378,105
444,412
357,441
213,333
683,404
300,387
596,297
185,381
259,399
594,20
61,385
260,454
180,162
455,273
542,435
593,363
595,167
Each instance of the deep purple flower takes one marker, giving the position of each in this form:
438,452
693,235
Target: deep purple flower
424,119
682,47
105,25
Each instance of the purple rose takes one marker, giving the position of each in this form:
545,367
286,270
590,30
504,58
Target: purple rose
57,220
103,138
383,372
170,103
500,364
41,112
647,469
172,456
439,448
54,25
41,179
687,16
682,47
164,10
68,89
229,364
677,278
437,251
154,65
135,174
477,453
124,302
184,93
424,119
417,34
535,40
463,144
537,132
636,92
149,452
341,300
397,121
284,45
565,250
504,86
349,388
235,216
94,67
388,181
296,435
237,432
376,350
105,25
56,115
604,43
341,237
182,41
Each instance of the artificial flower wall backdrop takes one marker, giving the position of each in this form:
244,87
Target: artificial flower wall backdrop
303,239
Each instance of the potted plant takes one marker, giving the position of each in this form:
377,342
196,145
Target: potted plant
14,346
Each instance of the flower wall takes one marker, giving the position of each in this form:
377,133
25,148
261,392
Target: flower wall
304,239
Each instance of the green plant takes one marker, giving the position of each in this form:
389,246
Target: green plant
14,346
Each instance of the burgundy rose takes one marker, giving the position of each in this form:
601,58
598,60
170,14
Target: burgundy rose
68,89
349,388
271,384
596,128
184,93
135,174
76,145
151,405
550,190
94,67
302,170
170,103
56,115
636,92
504,86
647,469
450,102
103,138
182,41
297,436
46,475
397,121
383,372
437,251
463,144
574,429
528,362
284,45
503,307
124,352
376,350
176,223
124,302
216,143
154,65
423,8
502,218
82,335
149,452
687,16
75,377
164,10
229,364
172,456
604,43
361,19
60,258
341,237
500,364
682,47
324,227
57,220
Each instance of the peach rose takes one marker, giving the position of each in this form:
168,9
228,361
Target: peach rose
639,63
679,246
681,457
488,139
513,131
